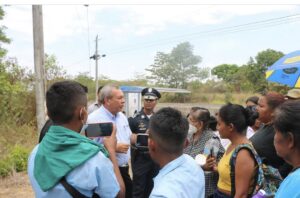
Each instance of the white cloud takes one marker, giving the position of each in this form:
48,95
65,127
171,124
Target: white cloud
145,19
66,20
120,26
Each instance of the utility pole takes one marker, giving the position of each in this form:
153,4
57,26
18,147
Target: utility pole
96,60
39,63
96,57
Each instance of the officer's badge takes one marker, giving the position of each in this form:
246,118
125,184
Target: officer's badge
142,126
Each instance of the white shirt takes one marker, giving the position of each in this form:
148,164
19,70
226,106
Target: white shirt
181,177
250,132
122,126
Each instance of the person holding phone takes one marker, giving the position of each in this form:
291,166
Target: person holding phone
143,167
112,100
64,156
202,140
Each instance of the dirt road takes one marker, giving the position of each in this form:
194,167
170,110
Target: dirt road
14,186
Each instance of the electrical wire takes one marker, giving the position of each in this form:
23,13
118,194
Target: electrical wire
226,30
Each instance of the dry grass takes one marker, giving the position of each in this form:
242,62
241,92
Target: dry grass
219,98
17,185
25,135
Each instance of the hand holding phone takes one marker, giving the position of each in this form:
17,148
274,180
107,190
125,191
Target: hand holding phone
210,163
142,140
99,129
110,142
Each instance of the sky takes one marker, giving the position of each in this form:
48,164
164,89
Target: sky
131,35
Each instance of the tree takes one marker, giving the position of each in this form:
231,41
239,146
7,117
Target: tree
17,100
177,68
53,70
251,76
257,68
225,71
3,38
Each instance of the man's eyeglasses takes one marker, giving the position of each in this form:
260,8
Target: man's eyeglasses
149,100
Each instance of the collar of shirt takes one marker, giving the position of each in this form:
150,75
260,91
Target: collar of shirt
170,167
143,115
108,113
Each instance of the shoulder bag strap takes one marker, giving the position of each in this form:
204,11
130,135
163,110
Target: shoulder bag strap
232,165
72,191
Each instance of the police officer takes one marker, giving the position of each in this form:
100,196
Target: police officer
143,168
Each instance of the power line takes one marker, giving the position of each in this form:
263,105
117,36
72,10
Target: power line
230,29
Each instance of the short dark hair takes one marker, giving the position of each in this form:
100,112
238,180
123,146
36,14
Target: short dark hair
169,129
253,99
62,98
287,119
237,115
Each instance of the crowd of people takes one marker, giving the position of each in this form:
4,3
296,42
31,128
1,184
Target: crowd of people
265,133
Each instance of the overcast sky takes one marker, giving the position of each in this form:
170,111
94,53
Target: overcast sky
131,35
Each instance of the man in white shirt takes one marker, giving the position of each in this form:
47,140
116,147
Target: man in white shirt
112,100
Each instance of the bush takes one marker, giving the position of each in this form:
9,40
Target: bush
5,167
19,156
16,160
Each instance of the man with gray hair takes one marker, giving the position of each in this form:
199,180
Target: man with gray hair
112,100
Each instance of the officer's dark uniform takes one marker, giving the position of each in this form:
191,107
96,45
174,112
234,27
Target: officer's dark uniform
143,167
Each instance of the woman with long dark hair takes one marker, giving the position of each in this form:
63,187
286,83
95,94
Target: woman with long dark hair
233,121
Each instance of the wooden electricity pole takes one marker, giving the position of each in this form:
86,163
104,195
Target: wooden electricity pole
39,63
96,57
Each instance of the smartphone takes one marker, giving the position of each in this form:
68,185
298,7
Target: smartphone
99,129
142,140
211,152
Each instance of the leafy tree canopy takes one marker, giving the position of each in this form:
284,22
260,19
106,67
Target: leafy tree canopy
177,68
3,37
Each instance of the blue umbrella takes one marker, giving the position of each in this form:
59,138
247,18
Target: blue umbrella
286,70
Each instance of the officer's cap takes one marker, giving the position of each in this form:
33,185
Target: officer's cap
150,93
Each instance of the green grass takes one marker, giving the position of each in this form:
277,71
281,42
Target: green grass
17,143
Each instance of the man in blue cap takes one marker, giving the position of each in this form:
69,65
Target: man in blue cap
143,168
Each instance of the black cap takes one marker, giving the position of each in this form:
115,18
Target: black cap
150,93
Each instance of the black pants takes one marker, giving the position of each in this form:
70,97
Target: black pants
144,170
219,194
127,180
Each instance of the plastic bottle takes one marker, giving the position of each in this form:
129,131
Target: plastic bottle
260,194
